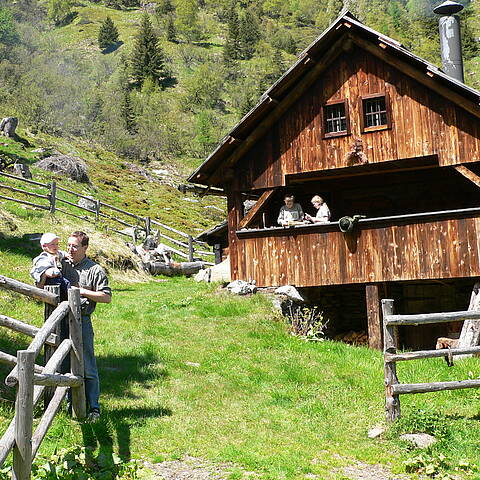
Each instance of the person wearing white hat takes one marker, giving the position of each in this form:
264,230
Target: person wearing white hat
47,267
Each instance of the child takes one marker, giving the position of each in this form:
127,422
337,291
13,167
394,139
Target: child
47,267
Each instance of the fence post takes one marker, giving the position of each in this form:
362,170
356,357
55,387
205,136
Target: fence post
147,226
79,405
53,196
97,210
190,248
49,350
217,248
390,342
22,452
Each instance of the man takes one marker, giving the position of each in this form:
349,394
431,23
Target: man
290,212
93,284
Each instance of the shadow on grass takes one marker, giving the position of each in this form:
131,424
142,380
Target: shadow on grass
116,424
117,375
19,246
112,47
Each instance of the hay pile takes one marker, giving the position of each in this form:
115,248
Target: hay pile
72,167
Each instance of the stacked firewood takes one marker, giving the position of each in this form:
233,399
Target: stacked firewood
354,338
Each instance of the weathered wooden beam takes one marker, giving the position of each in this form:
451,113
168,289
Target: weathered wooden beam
374,317
468,174
254,212
390,342
420,354
434,386
57,380
28,290
12,360
424,318
44,332
22,452
27,329
79,403
47,418
8,439
416,74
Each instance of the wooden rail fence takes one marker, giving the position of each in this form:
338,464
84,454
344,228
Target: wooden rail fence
181,243
393,388
32,380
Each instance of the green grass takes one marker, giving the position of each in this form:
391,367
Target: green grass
188,370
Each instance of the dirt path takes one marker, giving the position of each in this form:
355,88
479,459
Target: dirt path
191,468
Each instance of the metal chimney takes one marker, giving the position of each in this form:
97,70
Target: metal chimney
450,38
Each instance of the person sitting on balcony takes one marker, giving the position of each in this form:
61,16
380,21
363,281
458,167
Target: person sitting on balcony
290,213
323,212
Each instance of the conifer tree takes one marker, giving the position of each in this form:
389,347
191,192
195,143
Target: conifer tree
231,49
164,7
127,113
147,59
108,34
248,34
171,30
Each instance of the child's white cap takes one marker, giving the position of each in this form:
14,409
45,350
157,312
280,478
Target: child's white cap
47,238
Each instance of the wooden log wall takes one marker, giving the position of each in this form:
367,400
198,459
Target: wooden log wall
315,256
423,124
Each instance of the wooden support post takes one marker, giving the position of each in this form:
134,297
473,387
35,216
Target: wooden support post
97,210
79,404
217,249
373,317
53,196
390,342
49,350
148,226
22,452
190,248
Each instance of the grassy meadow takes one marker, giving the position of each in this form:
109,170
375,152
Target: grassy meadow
187,369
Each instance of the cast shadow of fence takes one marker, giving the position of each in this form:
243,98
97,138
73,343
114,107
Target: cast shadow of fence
118,374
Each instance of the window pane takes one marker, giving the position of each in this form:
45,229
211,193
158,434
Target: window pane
375,112
335,119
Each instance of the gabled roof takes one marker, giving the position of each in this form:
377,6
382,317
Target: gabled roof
239,140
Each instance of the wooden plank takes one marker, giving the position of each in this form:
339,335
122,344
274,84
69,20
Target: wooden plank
255,211
44,332
22,452
468,174
373,317
422,354
390,343
413,388
24,202
22,327
426,318
28,290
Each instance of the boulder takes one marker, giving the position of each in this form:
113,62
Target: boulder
87,203
420,440
241,287
216,273
8,125
291,293
21,170
65,165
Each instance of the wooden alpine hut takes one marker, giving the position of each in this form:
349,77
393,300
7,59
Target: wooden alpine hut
377,132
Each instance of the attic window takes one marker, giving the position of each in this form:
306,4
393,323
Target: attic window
335,119
376,115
